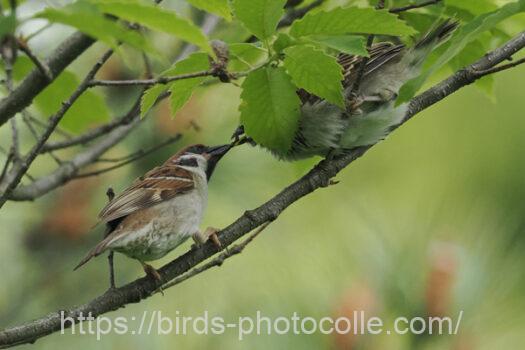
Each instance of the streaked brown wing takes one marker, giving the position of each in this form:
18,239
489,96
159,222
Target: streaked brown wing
380,54
158,185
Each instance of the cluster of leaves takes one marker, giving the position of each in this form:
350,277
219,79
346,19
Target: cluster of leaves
282,61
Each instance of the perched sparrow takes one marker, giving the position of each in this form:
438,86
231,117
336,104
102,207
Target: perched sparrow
326,129
161,209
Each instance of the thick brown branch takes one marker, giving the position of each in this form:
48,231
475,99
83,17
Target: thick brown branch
316,178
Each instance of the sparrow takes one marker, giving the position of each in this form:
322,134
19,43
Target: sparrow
328,130
161,209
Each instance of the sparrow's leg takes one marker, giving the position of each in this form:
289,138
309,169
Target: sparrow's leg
354,104
210,233
111,270
111,194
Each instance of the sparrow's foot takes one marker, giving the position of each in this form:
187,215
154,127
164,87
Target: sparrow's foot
387,95
152,272
209,234
238,133
384,95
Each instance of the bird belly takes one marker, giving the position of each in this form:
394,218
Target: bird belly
370,128
171,224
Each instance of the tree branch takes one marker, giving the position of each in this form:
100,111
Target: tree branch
36,81
217,261
18,171
316,178
149,82
94,133
44,69
69,169
131,159
114,132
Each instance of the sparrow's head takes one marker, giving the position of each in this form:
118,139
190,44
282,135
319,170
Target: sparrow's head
200,157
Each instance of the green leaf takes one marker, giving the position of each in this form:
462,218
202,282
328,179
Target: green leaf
182,90
149,97
283,41
349,44
88,110
350,20
86,18
476,7
463,36
259,16
156,18
7,25
218,7
244,56
420,21
23,65
316,72
270,108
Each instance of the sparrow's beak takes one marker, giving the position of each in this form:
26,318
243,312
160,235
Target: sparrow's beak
213,155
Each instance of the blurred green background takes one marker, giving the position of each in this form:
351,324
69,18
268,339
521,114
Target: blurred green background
429,222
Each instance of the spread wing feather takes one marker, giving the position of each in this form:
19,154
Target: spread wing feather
158,185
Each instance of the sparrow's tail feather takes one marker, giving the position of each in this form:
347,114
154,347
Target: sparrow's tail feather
438,35
96,251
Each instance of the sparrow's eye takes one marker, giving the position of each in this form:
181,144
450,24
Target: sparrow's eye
191,162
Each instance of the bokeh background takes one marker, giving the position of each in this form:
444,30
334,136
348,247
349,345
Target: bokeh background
429,222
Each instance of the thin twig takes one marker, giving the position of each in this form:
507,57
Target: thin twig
42,124
500,68
294,14
19,171
27,121
414,6
94,133
38,31
6,166
139,155
217,261
149,82
44,68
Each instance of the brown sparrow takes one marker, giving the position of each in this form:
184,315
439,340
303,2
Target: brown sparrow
161,209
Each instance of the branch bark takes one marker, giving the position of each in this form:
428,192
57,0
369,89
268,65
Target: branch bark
316,178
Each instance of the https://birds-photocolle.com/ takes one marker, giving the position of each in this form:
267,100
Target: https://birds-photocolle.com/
161,209
328,130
